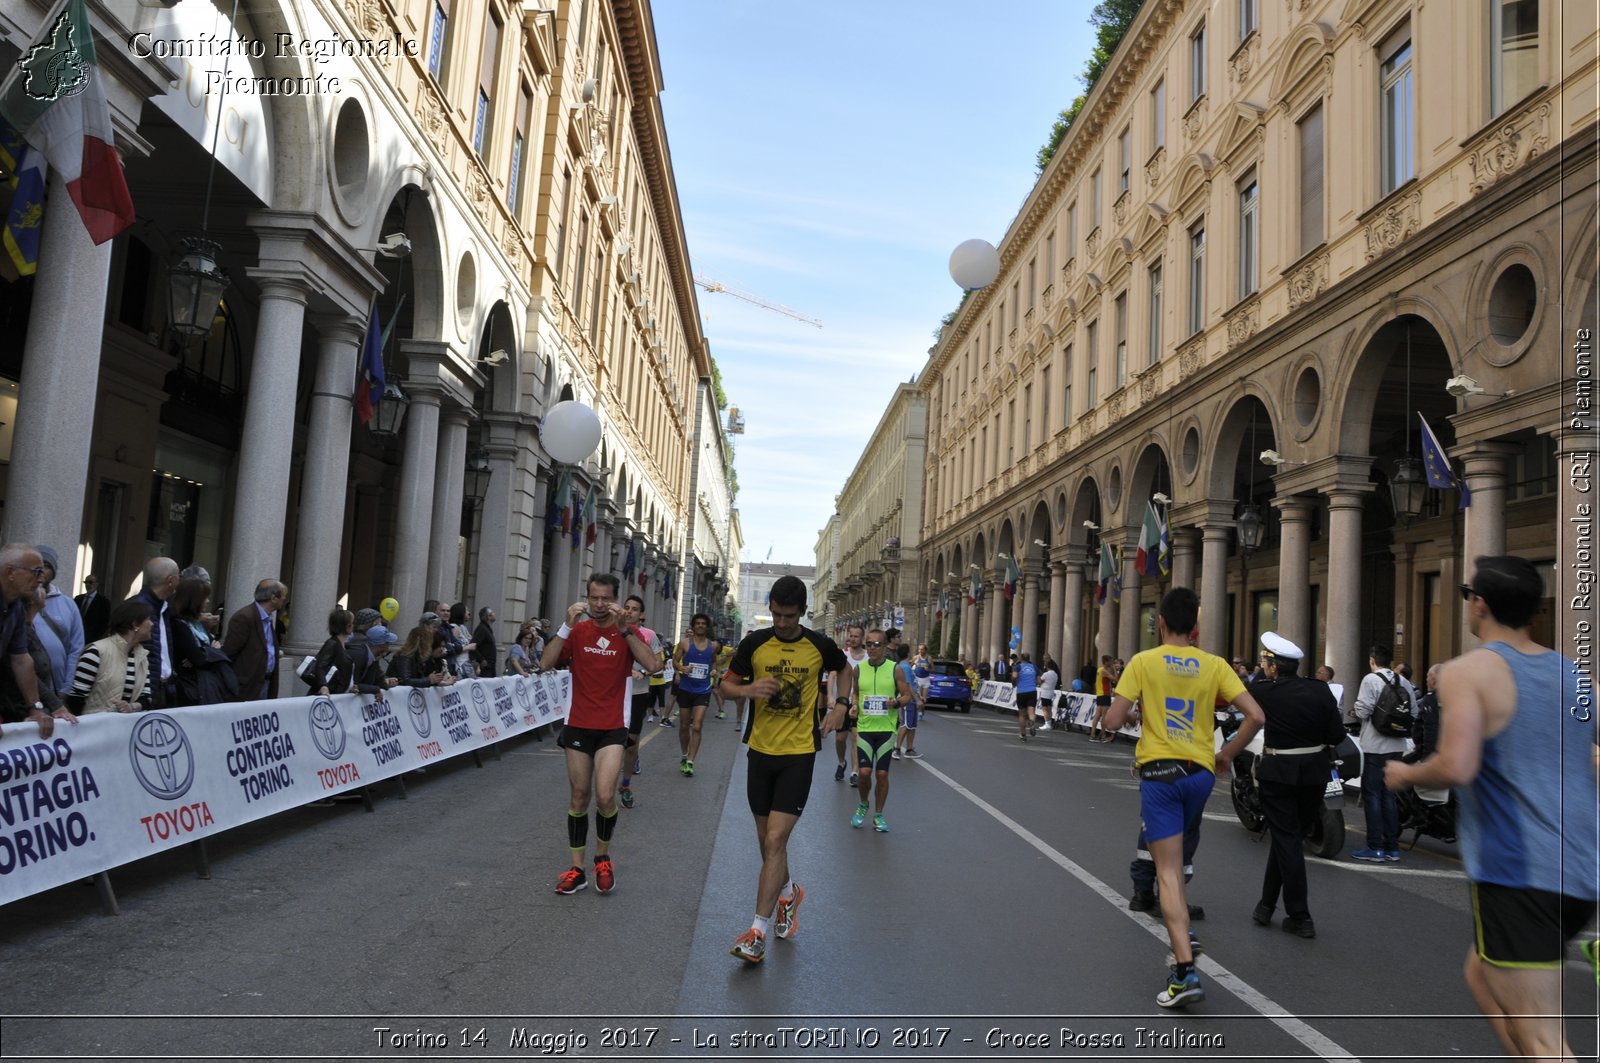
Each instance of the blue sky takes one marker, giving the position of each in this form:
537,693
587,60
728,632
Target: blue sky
828,156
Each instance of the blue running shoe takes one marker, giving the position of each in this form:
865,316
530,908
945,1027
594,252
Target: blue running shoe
1371,856
1181,992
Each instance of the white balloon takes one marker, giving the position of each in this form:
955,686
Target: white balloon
974,264
570,432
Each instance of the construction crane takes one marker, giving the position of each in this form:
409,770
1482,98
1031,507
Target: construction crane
778,308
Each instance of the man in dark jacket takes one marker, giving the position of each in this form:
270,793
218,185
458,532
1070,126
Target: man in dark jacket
484,651
251,642
95,609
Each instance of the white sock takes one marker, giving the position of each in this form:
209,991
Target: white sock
763,924
787,894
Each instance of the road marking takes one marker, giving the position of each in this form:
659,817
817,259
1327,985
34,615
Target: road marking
1385,869
1321,1046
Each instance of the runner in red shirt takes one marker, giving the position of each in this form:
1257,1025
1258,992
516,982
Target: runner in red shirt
600,652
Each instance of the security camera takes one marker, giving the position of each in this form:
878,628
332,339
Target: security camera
1091,525
1272,457
494,358
1461,386
395,245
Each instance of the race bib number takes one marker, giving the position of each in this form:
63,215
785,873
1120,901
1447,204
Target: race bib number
698,670
875,706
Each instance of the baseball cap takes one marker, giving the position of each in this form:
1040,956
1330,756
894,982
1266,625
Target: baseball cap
430,618
381,636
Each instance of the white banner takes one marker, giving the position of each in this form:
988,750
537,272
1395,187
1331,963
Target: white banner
117,787
1075,710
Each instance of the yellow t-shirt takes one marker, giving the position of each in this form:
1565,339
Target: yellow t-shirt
789,722
1176,688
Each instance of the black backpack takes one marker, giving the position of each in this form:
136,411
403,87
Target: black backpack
1391,716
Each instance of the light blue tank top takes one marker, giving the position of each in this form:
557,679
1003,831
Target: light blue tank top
1529,820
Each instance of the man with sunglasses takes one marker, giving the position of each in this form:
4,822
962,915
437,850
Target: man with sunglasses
1517,735
883,692
780,668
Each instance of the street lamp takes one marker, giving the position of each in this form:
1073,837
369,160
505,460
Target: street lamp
195,285
1408,488
1249,525
391,412
479,470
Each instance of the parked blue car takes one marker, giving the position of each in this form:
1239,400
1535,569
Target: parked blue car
948,686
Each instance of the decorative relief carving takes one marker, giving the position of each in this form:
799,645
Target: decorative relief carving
1152,169
1243,321
1244,58
1195,119
1190,356
1092,245
1394,223
1148,381
1307,282
1114,407
1119,209
368,17
434,122
1067,270
1511,145
1047,295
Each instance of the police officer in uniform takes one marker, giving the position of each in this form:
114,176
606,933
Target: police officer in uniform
1302,723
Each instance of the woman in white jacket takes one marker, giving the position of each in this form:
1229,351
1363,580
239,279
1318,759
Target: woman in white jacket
113,675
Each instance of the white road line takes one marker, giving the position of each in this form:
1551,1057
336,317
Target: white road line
1386,870
1322,1047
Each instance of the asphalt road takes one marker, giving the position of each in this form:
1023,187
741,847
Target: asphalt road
991,919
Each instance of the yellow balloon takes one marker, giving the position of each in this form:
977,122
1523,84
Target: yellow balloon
389,608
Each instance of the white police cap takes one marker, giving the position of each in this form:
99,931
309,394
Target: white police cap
1278,646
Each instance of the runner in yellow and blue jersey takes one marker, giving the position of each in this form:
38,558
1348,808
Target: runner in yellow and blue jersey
1176,686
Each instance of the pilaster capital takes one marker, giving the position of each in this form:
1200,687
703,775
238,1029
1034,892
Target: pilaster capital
1486,461
1204,512
1340,474
452,414
1294,509
284,285
1570,440
339,329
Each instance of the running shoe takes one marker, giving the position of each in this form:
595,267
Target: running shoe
854,778
838,773
1371,856
1023,736
894,754
688,768
625,796
1591,952
1391,856
683,765
913,754
751,946
721,714
605,880
638,769
860,815
880,824
1047,726
1181,992
1261,915
572,880
787,919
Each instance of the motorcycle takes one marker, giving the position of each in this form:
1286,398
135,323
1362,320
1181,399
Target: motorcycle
1327,835
1430,812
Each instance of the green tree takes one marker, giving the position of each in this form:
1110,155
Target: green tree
953,648
716,386
1111,19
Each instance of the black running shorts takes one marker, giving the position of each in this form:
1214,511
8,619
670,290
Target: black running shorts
873,749
1027,699
1525,927
637,711
590,740
689,699
778,784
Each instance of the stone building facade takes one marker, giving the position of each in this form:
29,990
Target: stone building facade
491,182
1296,228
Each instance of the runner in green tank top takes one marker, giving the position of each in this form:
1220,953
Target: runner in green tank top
881,690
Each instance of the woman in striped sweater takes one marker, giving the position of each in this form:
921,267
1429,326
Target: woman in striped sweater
113,675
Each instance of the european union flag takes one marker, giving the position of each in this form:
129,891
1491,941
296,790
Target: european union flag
25,172
1440,474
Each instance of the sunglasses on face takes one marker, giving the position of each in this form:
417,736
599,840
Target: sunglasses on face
1467,593
874,645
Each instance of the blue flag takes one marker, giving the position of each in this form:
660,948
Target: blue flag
25,170
369,377
1437,466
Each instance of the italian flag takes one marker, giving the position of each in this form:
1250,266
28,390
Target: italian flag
56,100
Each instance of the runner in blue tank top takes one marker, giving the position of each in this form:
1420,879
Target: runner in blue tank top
1517,733
692,660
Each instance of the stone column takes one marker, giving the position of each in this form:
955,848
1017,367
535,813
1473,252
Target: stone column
1058,603
1214,588
324,483
969,630
560,594
494,526
449,482
1132,593
60,365
1071,620
998,615
363,537
262,486
1184,542
1032,575
1294,570
1106,636
537,605
1343,623
1484,467
413,516
1577,620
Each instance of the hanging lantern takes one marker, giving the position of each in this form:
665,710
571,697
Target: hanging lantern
195,284
479,470
1249,525
1408,488
390,414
